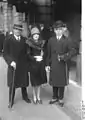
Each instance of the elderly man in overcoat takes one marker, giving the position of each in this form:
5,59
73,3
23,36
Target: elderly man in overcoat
60,50
15,54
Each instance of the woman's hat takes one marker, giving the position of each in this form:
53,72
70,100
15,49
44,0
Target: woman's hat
35,30
18,27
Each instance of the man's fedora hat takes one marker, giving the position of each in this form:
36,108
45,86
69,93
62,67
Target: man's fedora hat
59,24
18,27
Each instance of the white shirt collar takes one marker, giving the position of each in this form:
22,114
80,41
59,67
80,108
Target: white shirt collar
17,38
59,37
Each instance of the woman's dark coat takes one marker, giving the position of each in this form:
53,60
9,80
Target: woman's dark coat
37,69
64,49
16,51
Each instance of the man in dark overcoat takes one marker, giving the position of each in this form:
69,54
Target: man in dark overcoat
15,54
60,50
2,38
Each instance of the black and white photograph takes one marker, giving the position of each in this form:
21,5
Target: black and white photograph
42,60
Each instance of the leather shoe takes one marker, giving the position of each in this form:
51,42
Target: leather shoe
35,102
27,100
39,101
61,103
53,101
10,105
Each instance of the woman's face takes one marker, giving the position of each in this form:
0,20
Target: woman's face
36,37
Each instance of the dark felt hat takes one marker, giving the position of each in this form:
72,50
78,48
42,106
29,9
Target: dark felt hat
59,24
18,27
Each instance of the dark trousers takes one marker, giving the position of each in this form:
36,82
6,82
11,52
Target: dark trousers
12,93
58,92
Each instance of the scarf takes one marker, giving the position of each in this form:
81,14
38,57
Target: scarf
37,45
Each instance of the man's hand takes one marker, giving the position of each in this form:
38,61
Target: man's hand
47,68
13,64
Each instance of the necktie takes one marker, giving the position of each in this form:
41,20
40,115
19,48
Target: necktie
18,38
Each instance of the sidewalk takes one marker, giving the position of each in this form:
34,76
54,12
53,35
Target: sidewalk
24,111
72,99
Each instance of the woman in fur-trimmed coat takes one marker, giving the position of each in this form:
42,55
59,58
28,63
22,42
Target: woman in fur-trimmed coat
37,69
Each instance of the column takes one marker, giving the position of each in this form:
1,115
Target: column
10,17
5,11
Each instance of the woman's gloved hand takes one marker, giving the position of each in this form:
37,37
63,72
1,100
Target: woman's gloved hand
38,58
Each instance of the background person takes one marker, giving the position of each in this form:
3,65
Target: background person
2,38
